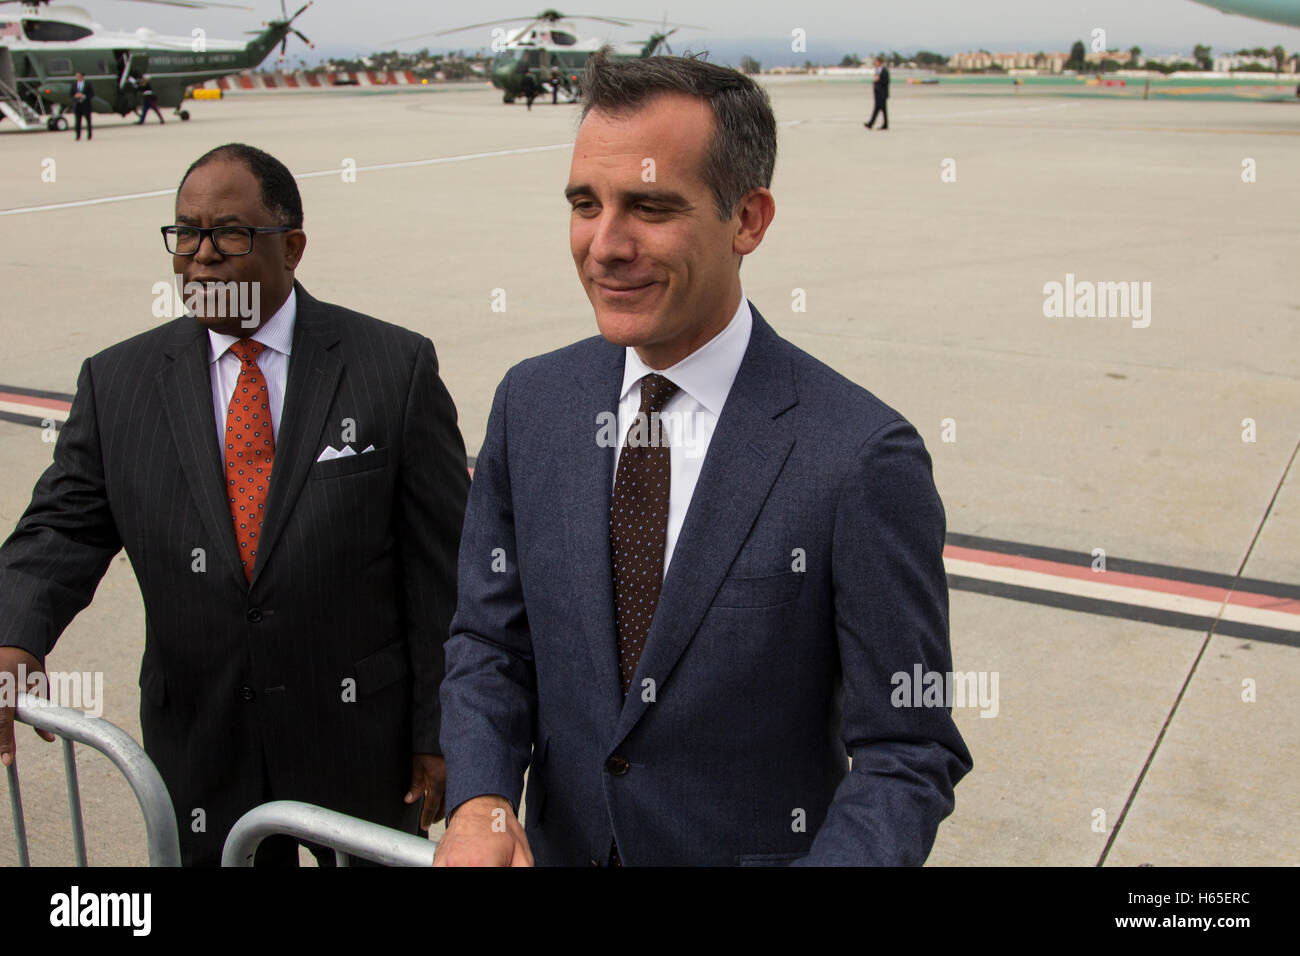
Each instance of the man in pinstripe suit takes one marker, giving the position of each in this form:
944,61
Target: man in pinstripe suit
289,486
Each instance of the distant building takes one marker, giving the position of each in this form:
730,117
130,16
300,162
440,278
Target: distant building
1170,60
1121,57
1226,64
983,60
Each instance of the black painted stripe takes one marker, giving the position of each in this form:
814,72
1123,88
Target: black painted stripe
29,420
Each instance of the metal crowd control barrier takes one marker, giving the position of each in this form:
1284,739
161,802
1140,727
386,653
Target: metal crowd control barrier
114,743
346,836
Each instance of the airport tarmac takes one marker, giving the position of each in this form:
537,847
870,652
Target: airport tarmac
1145,713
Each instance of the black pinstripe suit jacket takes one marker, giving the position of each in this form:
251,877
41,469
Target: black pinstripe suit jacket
318,679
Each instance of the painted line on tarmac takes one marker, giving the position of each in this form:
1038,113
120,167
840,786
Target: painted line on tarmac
1266,611
409,164
29,406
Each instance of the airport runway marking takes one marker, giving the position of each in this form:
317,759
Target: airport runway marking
430,161
1186,598
408,164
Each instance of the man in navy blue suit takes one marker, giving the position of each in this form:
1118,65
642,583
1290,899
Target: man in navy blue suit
695,558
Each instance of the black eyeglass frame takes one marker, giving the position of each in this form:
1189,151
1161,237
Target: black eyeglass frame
210,232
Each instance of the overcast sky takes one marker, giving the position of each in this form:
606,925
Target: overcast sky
866,25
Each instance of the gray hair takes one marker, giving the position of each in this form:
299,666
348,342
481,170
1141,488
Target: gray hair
742,152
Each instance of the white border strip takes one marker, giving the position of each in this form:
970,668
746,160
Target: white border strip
1100,591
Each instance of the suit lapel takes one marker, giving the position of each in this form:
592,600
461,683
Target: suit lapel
746,453
186,390
314,373
587,525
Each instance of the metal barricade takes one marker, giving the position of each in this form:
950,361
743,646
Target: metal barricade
346,836
116,744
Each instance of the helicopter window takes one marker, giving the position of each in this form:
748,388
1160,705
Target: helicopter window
563,39
9,29
58,66
54,31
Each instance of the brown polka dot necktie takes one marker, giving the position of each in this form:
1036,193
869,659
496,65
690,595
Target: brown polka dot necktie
638,524
249,451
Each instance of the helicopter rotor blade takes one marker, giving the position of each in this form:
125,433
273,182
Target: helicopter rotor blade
187,4
547,16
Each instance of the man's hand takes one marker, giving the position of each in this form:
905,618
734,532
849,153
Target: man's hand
18,671
484,831
428,780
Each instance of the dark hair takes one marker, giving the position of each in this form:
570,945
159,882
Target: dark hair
280,193
742,152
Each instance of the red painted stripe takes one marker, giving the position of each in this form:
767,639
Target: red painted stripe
53,403
1140,581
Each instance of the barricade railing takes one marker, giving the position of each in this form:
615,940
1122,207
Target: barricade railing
115,744
346,836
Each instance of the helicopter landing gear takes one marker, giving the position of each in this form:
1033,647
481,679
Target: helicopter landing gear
184,115
507,98
56,124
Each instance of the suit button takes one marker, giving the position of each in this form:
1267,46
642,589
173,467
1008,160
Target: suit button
247,692
254,615
617,765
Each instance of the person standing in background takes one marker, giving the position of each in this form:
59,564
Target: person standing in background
82,95
880,90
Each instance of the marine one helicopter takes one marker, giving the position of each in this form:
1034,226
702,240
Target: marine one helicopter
549,41
41,50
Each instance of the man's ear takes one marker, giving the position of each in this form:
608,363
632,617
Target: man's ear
295,244
754,212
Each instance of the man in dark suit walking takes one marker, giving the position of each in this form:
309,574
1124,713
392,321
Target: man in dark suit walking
880,91
83,93
289,482
695,559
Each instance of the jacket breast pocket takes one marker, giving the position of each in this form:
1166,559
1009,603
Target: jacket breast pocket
767,590
384,667
351,464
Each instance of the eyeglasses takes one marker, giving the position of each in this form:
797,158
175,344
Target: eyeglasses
228,240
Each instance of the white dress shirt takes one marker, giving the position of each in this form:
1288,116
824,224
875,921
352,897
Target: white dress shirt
277,335
688,419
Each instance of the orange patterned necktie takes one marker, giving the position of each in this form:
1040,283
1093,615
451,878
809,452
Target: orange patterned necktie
249,451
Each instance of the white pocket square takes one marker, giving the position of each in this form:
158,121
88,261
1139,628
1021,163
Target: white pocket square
330,452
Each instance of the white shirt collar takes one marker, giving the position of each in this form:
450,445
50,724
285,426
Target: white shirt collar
275,333
708,372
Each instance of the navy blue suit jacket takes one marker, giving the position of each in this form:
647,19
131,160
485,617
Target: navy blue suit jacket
808,571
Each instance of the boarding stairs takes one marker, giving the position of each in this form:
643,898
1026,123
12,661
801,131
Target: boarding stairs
14,107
